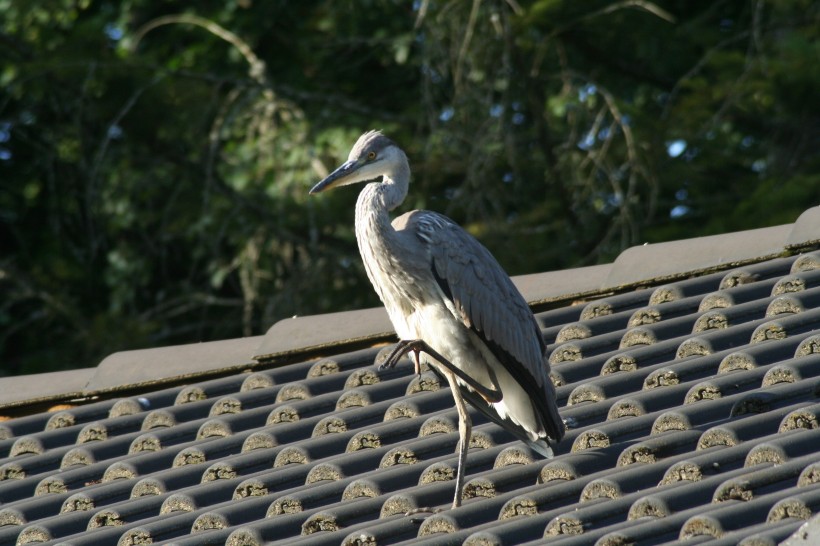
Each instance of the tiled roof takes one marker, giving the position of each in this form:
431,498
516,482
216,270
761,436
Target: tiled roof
688,374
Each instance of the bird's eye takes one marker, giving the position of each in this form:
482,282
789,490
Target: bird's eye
371,156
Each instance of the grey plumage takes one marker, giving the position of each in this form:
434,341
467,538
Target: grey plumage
440,286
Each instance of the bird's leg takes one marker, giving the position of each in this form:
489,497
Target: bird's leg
419,345
465,428
416,356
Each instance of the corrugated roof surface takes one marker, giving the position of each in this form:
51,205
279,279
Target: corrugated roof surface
692,410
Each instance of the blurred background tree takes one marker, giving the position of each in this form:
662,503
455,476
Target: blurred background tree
155,157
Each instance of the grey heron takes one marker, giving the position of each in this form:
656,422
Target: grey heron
451,304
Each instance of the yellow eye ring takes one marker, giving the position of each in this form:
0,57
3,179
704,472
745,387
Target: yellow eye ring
371,156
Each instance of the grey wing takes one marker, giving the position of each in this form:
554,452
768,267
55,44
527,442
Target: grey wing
487,301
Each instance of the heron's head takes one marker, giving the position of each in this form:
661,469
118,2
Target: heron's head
373,156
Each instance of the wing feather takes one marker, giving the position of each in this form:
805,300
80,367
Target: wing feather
487,301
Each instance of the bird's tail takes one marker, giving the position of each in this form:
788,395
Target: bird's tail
541,446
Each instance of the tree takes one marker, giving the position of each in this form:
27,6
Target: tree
155,163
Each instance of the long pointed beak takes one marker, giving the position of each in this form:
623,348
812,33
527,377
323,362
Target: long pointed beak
339,177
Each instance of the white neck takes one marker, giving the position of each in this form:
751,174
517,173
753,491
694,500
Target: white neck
378,240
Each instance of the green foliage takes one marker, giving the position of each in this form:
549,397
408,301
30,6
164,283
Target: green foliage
155,157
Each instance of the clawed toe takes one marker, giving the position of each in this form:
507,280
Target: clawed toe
389,363
402,348
422,510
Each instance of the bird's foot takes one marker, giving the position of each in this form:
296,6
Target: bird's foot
402,348
412,514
